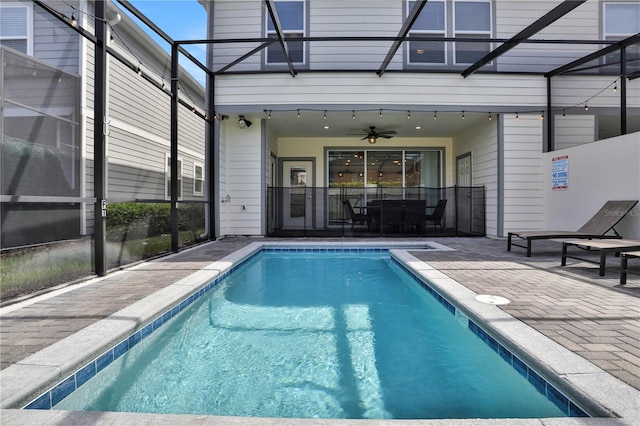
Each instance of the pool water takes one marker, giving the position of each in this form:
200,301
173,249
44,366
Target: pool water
316,334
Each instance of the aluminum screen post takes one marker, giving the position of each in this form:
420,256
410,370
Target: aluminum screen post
175,236
100,166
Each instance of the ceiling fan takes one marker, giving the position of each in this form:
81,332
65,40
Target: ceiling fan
371,134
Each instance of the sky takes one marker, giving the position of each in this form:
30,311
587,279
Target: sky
180,20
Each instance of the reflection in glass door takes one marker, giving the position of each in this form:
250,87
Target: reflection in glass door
297,194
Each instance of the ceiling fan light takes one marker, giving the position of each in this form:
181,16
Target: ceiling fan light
371,139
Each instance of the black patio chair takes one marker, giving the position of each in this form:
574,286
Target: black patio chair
435,218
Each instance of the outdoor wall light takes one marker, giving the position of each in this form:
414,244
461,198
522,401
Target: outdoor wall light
243,122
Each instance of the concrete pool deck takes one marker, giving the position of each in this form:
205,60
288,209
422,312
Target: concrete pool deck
590,316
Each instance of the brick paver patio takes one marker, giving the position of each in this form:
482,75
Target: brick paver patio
592,316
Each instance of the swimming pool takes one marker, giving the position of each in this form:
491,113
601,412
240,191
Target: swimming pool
353,355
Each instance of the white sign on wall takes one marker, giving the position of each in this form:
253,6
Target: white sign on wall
560,172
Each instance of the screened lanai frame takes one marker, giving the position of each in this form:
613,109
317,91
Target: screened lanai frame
177,48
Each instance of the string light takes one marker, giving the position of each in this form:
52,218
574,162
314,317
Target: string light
615,87
408,115
542,116
517,116
324,117
463,117
490,118
380,113
269,115
139,70
586,107
353,115
435,115
298,113
564,115
74,21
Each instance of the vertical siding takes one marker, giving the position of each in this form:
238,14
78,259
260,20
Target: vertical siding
523,180
482,142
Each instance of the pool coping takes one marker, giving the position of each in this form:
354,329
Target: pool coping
589,385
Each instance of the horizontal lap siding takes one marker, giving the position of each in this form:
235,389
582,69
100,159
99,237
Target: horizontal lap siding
234,20
575,91
243,164
574,130
367,88
136,101
54,42
139,138
136,166
336,18
513,16
523,180
482,143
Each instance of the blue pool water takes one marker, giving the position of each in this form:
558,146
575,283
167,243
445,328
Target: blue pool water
321,334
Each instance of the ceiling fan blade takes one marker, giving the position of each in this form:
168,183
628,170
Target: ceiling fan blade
366,137
385,136
387,132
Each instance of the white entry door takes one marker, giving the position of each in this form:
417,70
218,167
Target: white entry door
297,209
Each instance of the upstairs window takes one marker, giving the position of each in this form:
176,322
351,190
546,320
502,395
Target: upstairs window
15,26
622,20
472,19
448,19
292,17
430,23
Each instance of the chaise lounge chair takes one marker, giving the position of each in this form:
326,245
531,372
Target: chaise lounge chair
597,227
602,246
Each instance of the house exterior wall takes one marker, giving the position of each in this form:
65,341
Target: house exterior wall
233,19
417,89
53,42
522,174
506,154
137,121
481,142
598,172
241,158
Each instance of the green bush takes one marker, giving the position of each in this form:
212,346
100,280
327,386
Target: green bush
151,220
138,218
